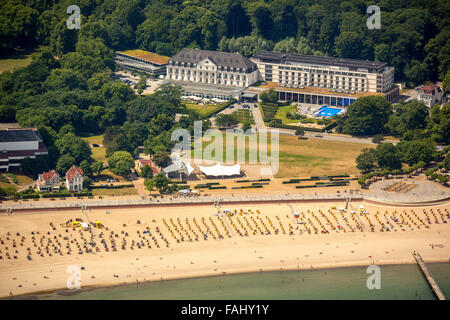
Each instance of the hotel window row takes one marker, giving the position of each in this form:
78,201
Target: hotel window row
324,72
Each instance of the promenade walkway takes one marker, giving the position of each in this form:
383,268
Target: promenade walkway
427,273
147,201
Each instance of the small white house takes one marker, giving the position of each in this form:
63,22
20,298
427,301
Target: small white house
74,179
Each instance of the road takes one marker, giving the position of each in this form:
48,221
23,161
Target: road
260,125
333,136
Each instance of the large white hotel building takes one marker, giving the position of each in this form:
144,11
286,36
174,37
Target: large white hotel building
325,80
211,74
296,78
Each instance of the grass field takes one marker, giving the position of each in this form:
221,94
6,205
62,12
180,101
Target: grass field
107,174
98,153
15,61
283,111
243,116
300,158
4,185
23,179
114,192
202,110
19,178
313,157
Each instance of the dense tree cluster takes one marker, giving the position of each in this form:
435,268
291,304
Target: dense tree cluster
408,121
419,129
67,91
386,156
414,35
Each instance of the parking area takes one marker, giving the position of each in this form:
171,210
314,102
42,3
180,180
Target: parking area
132,80
238,106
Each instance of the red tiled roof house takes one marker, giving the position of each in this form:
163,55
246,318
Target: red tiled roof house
430,94
49,181
74,179
144,162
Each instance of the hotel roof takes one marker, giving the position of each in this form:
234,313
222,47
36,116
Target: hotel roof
146,55
315,90
279,57
18,135
222,59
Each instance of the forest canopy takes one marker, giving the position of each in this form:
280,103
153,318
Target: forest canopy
414,35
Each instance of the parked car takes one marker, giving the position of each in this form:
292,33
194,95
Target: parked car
318,136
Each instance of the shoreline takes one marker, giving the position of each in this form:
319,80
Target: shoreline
233,254
72,292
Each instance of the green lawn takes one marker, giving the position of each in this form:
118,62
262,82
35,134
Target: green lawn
202,110
94,139
114,192
23,179
243,116
98,153
4,185
283,111
14,61
300,158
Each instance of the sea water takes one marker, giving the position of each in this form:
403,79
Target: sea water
397,282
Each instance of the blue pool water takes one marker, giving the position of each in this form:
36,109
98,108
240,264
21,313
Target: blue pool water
328,112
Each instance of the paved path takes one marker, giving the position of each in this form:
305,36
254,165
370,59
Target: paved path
424,191
257,116
333,136
260,125
90,203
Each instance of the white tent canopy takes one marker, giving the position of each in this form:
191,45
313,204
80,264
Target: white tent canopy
221,170
179,166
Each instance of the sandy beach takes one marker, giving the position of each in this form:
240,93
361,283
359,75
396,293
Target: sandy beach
136,245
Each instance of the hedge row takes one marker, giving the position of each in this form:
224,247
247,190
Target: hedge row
59,194
218,187
319,186
315,178
299,180
178,182
248,187
340,176
338,183
206,185
30,196
240,181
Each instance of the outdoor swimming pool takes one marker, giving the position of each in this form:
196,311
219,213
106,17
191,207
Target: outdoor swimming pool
326,111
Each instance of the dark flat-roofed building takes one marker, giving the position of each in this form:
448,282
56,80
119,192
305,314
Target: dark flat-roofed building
17,144
333,77
211,74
